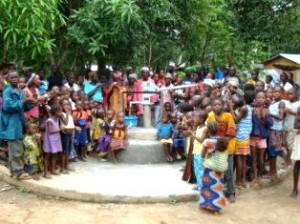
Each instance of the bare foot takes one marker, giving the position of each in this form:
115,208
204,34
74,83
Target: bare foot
232,198
47,176
294,194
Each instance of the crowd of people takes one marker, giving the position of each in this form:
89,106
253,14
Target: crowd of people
229,130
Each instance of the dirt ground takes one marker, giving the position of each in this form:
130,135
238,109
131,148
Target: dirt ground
269,205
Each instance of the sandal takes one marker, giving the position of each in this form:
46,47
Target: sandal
24,176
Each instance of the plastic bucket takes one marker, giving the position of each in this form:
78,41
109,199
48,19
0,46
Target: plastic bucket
132,121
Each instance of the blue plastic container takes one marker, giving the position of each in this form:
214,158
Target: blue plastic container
132,121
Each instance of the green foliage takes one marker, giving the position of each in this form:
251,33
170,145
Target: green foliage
75,33
26,28
273,23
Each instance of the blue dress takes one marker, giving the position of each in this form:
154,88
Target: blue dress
81,138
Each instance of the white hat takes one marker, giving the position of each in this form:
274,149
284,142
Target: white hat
145,69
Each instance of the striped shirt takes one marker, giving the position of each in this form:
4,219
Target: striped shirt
217,161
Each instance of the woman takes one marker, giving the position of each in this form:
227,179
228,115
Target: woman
32,110
215,164
226,128
116,95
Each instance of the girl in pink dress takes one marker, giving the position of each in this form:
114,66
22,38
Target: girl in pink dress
52,141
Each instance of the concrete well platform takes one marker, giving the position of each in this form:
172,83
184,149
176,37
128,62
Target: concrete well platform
103,182
143,148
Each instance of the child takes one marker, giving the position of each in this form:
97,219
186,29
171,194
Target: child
242,115
296,154
119,136
261,123
86,107
215,164
96,131
276,109
81,139
226,128
188,173
178,137
32,152
68,128
288,124
198,137
52,141
167,108
106,126
165,132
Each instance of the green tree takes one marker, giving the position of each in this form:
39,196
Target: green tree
26,29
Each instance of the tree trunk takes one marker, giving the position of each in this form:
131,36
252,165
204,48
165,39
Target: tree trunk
101,65
206,43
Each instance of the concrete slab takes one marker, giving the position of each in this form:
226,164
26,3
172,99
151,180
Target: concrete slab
104,182
142,133
143,152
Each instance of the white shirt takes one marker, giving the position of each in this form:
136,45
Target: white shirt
75,87
287,86
70,124
288,123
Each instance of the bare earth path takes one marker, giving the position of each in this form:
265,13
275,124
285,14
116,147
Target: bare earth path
270,205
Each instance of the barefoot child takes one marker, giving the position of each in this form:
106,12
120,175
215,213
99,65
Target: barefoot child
52,141
296,154
107,126
119,136
178,137
32,152
81,138
198,136
242,114
275,149
96,131
261,123
67,134
165,132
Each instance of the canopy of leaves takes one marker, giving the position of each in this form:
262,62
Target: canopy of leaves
27,27
76,33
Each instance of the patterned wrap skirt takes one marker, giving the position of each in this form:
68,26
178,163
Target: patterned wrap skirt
212,196
117,144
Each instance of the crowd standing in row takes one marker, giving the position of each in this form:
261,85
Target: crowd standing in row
217,121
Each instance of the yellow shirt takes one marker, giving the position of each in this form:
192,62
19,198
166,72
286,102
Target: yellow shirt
197,146
97,131
226,128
